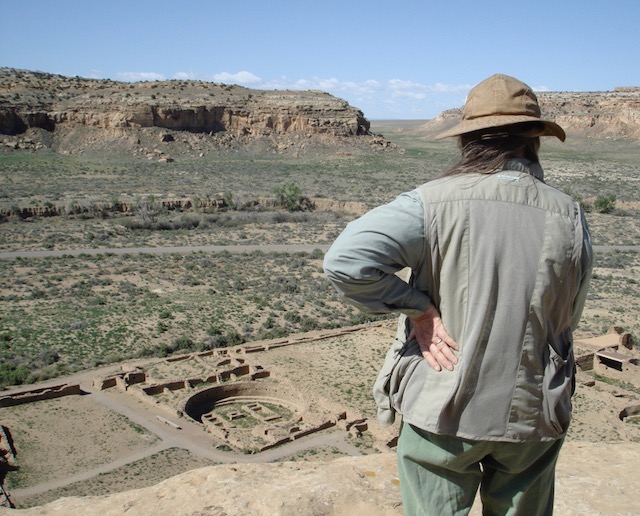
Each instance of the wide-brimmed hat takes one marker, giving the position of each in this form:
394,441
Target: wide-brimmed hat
498,101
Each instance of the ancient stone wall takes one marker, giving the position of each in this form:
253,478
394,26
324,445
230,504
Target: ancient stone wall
44,393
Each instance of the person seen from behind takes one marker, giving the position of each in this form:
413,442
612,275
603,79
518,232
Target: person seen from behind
482,369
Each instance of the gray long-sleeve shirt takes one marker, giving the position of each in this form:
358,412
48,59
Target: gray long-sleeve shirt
507,261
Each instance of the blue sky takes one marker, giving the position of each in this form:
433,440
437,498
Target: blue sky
394,60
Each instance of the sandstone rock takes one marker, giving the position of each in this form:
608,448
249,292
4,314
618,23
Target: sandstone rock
592,478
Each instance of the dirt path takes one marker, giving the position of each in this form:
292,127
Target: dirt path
190,436
336,439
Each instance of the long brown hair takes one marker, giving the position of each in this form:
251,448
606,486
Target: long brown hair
486,151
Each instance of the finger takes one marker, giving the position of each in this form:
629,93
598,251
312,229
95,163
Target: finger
447,350
451,343
428,356
442,336
436,359
443,355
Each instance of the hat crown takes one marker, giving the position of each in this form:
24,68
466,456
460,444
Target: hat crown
501,101
501,95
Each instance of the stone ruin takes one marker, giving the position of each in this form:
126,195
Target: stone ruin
44,393
241,405
610,354
237,402
606,353
233,392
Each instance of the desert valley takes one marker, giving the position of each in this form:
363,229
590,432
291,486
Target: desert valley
167,337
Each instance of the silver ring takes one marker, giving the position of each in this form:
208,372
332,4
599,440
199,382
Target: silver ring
438,341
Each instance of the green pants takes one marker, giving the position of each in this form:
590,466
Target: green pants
440,475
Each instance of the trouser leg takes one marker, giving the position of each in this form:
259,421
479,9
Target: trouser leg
518,478
439,475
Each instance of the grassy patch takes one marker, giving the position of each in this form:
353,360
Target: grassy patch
70,313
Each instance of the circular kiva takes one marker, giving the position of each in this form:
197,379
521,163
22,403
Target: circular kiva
632,411
205,401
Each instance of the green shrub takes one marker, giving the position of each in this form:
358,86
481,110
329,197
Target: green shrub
222,336
13,375
149,208
317,254
289,197
182,343
579,199
48,356
605,203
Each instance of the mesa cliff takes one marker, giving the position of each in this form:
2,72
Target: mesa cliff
56,104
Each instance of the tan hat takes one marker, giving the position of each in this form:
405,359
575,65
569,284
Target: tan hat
498,101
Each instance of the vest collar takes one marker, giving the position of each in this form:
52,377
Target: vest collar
524,165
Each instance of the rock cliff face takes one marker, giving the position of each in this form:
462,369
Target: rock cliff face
610,114
46,101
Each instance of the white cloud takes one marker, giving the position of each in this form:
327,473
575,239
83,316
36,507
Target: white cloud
393,98
95,74
450,88
408,89
540,88
354,92
243,78
139,76
335,86
185,76
419,91
280,83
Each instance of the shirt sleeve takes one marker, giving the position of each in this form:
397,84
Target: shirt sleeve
363,261
586,265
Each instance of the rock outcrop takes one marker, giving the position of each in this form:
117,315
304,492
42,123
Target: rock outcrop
39,100
592,478
610,114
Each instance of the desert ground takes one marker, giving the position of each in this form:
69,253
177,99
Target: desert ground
71,318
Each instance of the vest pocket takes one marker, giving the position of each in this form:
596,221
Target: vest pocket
557,388
401,374
388,390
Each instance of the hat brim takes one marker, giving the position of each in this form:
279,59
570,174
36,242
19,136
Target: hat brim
486,122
